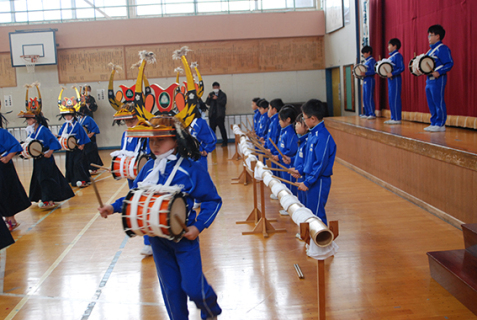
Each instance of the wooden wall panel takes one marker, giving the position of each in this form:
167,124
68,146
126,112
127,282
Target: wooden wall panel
218,57
89,64
8,75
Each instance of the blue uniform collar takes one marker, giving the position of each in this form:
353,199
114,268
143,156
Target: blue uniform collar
368,58
274,116
392,52
303,138
317,128
435,44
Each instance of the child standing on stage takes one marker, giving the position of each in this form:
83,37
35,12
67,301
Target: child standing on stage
256,113
76,174
13,194
287,142
395,81
319,159
436,81
47,182
91,148
264,120
369,83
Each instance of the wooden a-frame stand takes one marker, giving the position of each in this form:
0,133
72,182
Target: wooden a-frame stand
236,155
304,233
263,225
256,214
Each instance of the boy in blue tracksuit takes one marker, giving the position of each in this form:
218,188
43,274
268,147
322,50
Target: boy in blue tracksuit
319,160
91,148
395,81
297,161
206,137
436,81
256,113
273,127
178,263
264,120
369,83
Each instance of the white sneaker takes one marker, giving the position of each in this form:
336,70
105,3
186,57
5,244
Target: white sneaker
363,116
146,251
371,117
392,122
429,128
196,205
438,129
40,204
273,197
284,213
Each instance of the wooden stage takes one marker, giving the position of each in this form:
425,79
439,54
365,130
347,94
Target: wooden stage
68,263
437,171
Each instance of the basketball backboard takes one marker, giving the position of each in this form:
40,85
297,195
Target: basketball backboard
33,42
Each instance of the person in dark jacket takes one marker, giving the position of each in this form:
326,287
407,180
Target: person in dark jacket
217,100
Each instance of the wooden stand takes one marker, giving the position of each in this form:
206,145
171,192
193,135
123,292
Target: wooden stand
256,214
305,234
236,155
245,177
263,225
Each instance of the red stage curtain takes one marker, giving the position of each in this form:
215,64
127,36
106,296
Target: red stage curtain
408,20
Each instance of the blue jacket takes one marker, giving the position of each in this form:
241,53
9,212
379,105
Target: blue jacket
288,142
273,133
397,61
90,124
130,144
263,125
369,63
442,56
204,134
49,141
195,182
299,158
256,119
320,155
8,143
77,131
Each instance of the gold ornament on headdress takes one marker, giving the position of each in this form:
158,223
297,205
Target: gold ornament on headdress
69,105
200,87
33,106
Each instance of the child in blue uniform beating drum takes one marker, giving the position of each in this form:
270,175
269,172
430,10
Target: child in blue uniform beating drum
437,80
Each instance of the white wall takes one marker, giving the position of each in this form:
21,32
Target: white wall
340,50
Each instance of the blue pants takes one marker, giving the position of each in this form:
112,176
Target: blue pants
179,268
435,100
394,95
368,96
203,162
317,197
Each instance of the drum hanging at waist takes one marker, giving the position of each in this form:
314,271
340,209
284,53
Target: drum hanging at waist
127,167
359,71
32,149
68,143
152,213
422,65
383,67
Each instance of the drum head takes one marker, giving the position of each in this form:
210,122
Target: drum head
125,214
178,207
141,161
35,148
410,66
427,65
359,70
71,142
384,68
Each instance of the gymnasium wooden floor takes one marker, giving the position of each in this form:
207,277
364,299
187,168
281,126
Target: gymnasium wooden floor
68,263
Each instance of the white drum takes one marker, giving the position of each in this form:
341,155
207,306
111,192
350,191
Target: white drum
359,71
383,67
422,64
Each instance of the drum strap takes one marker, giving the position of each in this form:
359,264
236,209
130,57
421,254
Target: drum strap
430,53
65,132
159,166
173,173
36,136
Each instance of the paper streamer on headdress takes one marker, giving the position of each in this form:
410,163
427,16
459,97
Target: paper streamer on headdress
200,89
113,101
189,113
139,101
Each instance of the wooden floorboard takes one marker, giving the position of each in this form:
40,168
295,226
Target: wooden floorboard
70,264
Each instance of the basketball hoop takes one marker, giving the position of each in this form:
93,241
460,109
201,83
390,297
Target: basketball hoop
30,61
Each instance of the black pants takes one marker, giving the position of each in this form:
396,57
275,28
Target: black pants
220,122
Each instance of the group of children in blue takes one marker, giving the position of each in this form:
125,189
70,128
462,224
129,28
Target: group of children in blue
306,145
435,83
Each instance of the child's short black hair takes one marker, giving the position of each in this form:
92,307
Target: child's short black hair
287,111
262,103
437,29
277,104
315,107
367,49
395,42
256,100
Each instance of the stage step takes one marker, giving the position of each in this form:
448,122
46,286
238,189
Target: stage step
470,237
456,270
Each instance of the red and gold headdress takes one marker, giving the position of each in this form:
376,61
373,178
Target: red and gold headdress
32,105
69,105
165,125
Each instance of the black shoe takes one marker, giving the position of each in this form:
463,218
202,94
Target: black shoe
224,145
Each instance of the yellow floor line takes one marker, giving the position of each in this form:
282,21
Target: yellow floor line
20,305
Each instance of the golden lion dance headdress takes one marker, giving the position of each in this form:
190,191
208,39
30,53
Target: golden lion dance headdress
32,105
69,105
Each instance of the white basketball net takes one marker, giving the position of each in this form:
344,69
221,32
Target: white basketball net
30,62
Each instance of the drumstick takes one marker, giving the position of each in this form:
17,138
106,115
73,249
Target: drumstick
97,193
183,225
100,167
276,169
250,124
280,165
36,150
284,180
273,143
430,67
245,127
